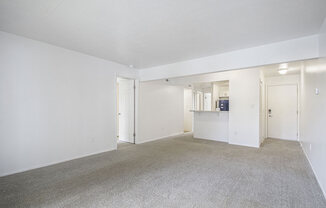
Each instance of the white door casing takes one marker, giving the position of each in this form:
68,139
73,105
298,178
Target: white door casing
282,112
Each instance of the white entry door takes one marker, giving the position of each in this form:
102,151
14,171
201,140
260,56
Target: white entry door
282,107
126,110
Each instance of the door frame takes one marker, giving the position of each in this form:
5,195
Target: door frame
298,106
135,92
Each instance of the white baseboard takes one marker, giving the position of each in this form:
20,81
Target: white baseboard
245,145
225,140
188,133
313,170
54,163
163,137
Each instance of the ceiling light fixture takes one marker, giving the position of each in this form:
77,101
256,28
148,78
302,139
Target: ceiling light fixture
283,68
283,71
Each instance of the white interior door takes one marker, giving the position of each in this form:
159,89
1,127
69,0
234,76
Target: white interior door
207,101
282,112
126,110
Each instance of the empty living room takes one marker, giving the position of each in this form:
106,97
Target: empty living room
176,103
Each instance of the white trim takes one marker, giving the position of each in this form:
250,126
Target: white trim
245,145
263,86
163,137
188,133
318,181
116,108
225,140
137,85
54,163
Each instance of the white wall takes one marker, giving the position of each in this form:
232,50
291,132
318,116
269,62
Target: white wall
211,125
55,104
322,40
187,115
160,111
313,117
286,51
244,108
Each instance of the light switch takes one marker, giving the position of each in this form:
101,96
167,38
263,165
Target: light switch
317,91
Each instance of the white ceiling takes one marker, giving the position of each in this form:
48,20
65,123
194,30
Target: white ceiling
147,33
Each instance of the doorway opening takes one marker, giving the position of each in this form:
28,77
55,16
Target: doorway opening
282,111
125,110
188,106
209,97
280,101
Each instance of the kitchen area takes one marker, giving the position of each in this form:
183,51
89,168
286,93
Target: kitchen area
210,102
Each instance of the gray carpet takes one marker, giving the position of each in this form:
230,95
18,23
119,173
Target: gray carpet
174,172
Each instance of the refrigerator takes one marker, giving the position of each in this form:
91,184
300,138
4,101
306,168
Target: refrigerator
224,105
